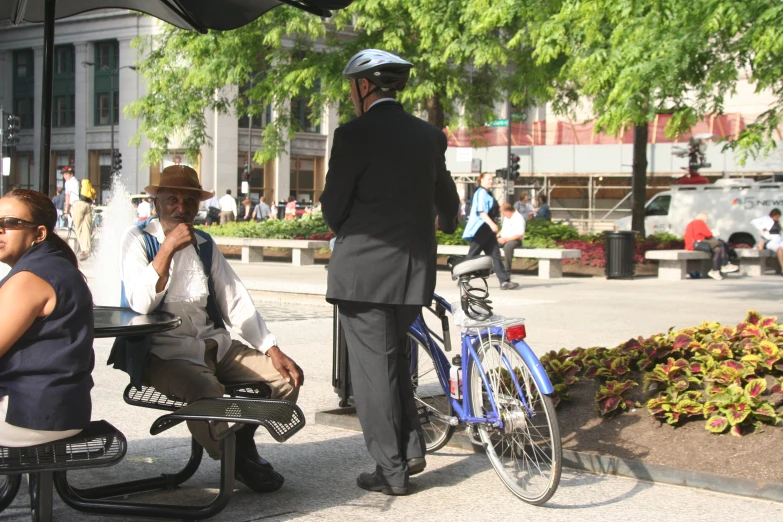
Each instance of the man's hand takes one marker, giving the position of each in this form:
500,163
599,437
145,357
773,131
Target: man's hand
290,371
502,241
180,237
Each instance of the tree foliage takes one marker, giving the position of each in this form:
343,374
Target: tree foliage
459,69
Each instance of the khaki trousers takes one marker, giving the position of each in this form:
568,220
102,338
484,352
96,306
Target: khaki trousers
191,382
82,223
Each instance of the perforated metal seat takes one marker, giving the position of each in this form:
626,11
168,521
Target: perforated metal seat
281,418
477,267
101,444
149,397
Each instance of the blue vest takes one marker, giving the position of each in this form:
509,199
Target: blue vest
129,354
47,372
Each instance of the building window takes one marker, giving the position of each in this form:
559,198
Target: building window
24,64
303,178
64,59
23,107
107,55
63,114
103,107
302,112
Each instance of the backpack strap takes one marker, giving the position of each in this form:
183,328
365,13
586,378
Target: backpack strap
152,246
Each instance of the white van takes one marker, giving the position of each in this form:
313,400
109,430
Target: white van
731,203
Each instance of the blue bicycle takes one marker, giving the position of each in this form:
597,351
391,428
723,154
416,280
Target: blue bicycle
504,399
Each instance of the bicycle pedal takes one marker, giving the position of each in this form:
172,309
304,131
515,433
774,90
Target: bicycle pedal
424,415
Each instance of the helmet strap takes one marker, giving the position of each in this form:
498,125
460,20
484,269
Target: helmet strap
359,93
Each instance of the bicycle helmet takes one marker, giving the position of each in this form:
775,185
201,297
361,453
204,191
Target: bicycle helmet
387,71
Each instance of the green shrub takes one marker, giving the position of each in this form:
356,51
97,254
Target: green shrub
308,227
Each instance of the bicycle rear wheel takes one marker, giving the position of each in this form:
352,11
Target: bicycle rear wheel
432,402
526,452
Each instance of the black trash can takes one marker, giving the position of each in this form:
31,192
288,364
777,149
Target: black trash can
619,250
341,375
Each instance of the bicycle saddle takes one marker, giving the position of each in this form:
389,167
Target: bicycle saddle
477,266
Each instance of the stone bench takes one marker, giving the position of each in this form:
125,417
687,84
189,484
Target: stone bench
550,260
253,248
753,262
675,264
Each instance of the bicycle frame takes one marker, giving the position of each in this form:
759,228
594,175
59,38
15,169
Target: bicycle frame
469,342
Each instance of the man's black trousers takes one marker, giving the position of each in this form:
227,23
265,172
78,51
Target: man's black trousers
376,335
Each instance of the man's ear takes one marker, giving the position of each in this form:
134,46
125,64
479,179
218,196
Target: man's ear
365,85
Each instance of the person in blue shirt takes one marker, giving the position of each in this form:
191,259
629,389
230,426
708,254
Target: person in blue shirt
481,229
543,209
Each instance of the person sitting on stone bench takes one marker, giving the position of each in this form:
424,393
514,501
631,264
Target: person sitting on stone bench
698,236
769,226
168,265
46,355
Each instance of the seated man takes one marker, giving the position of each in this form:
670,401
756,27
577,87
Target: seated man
511,234
169,266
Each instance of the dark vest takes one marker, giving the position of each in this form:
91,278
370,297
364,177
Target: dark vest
47,372
129,354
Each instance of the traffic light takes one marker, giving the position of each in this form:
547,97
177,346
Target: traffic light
11,135
116,163
501,173
514,162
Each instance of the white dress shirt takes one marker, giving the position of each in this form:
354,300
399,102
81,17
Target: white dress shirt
72,189
228,204
144,210
514,226
186,297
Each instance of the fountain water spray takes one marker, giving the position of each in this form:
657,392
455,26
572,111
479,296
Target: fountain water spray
118,217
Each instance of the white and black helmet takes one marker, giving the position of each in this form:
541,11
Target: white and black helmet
385,70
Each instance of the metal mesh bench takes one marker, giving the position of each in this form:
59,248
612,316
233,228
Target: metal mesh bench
281,418
149,397
100,444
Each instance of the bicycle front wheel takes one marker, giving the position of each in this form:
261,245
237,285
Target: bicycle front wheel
526,452
433,404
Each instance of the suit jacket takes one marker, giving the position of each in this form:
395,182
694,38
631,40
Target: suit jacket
387,182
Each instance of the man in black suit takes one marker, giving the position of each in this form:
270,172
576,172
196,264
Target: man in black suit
386,185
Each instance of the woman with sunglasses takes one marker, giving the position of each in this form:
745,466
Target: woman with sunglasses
46,355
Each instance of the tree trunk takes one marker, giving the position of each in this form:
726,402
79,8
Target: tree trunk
639,181
435,111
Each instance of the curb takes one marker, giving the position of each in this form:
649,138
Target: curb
345,418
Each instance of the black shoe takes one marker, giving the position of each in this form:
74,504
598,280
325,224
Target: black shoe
509,285
373,482
259,479
416,465
246,447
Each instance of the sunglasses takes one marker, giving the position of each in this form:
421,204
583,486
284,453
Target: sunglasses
12,223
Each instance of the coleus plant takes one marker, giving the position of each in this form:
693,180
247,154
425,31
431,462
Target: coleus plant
735,408
611,396
674,405
673,374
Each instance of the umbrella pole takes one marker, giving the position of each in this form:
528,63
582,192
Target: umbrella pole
46,96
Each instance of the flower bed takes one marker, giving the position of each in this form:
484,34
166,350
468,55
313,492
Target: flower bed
730,377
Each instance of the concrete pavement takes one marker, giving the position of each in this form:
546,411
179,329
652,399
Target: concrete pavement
320,463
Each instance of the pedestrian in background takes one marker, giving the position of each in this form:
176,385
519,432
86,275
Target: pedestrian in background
212,206
59,203
290,209
524,207
246,212
481,229
228,208
698,236
511,233
463,210
543,209
262,211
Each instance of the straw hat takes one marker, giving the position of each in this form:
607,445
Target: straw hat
179,177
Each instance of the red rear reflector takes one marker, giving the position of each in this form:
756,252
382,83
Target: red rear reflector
516,333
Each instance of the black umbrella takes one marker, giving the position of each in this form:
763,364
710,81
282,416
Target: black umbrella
196,15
